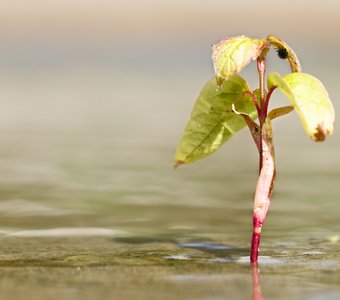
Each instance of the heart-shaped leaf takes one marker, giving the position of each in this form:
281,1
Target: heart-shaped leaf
212,121
231,55
310,100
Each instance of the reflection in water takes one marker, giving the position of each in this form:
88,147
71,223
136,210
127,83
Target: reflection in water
257,294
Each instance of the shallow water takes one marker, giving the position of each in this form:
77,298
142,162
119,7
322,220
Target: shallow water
91,207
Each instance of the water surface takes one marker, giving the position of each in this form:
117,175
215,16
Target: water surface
92,208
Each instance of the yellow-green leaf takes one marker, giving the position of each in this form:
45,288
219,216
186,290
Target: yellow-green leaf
231,55
310,100
280,111
275,80
212,121
291,56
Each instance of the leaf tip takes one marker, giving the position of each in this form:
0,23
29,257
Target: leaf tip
178,163
321,132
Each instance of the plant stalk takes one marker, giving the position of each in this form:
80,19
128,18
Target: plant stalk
264,187
267,171
261,69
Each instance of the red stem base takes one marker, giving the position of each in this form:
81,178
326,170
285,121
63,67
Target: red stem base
255,244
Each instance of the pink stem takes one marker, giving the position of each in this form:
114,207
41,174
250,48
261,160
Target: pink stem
264,187
251,94
266,103
261,68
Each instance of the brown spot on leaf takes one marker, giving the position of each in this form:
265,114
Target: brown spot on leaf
320,134
178,163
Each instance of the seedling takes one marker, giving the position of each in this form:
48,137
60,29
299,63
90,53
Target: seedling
226,104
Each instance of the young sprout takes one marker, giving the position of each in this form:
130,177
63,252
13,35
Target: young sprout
226,104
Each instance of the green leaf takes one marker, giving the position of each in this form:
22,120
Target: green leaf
310,100
275,80
280,111
212,121
231,55
291,56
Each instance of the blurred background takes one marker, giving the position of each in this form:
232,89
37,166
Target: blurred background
94,96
